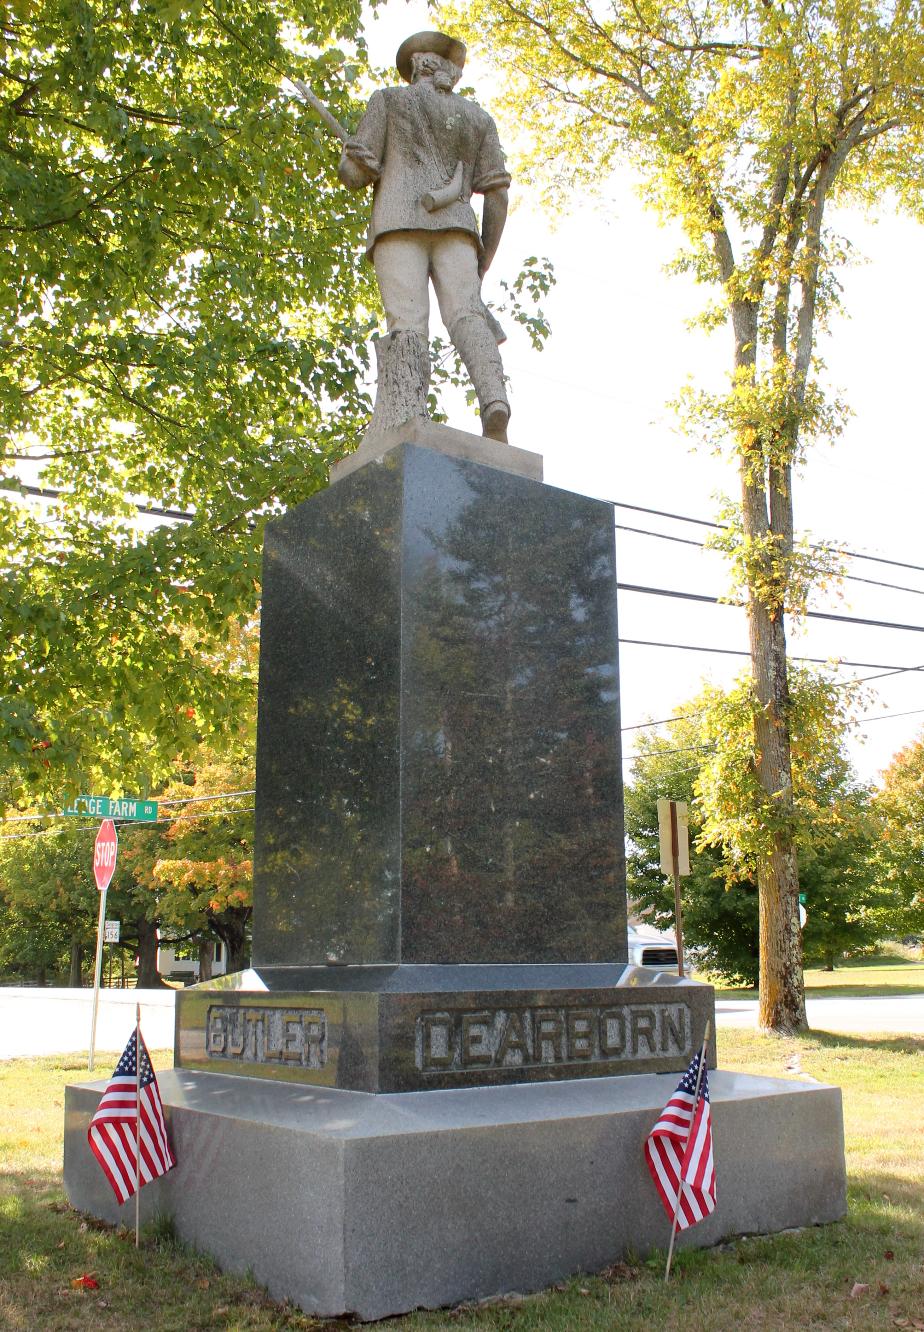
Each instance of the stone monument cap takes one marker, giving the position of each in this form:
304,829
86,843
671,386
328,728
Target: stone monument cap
435,43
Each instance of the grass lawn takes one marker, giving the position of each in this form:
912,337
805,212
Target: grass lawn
898,971
866,1272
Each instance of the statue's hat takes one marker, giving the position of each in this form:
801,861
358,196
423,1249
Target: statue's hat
435,42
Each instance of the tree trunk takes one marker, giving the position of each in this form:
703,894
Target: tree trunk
782,993
231,928
206,953
403,378
148,977
75,976
829,962
767,519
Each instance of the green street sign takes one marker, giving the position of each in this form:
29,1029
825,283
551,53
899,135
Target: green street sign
803,897
101,807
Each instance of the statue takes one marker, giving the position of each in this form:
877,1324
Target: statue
426,151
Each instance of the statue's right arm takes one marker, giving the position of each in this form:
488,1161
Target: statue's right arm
361,159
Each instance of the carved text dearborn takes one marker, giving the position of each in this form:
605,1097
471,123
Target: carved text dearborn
264,1035
517,1037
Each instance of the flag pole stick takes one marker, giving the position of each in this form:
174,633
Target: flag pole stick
137,1126
699,1078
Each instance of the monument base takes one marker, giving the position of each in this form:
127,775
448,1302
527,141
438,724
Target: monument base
375,1205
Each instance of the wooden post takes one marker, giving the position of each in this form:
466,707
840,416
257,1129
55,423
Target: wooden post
675,869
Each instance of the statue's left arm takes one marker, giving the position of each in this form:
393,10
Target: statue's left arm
491,179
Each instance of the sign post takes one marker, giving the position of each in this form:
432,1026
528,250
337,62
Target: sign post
674,838
105,849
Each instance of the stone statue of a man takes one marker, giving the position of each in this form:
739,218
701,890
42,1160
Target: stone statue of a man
426,151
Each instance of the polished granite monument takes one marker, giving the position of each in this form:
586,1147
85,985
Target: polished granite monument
439,879
439,919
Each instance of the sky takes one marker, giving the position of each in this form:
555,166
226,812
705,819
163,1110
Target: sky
595,404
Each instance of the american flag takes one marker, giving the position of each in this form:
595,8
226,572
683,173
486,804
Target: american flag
679,1151
113,1129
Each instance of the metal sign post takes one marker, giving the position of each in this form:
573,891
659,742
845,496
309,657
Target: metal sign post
105,849
674,837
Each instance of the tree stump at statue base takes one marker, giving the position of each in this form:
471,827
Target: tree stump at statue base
402,381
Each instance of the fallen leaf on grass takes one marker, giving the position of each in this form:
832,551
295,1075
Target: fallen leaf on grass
86,1282
203,1283
889,1256
859,1288
582,1290
900,1322
883,1288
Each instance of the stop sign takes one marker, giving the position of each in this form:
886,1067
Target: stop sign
104,854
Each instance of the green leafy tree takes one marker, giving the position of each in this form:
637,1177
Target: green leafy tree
49,906
747,123
184,324
705,759
900,850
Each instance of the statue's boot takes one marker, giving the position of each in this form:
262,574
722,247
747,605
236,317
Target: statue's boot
475,343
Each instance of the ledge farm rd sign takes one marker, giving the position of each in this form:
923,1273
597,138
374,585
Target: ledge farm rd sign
102,807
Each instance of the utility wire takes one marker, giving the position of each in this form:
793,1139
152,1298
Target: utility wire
701,545
188,516
705,522
743,652
811,615
186,800
131,824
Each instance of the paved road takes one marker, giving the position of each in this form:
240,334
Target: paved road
37,1022
901,1014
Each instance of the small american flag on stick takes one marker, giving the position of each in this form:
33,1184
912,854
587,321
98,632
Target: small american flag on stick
678,1150
127,1135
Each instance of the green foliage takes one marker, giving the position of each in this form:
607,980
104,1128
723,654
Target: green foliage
744,121
705,758
184,320
900,851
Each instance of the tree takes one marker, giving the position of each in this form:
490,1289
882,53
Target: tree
184,324
900,859
49,906
705,758
747,121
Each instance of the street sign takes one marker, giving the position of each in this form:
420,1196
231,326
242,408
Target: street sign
104,854
803,898
102,807
111,931
674,836
803,916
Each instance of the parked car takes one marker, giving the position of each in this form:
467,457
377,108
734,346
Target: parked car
649,947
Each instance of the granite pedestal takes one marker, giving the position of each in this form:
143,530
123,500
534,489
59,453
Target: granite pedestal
439,875
410,1099
374,1205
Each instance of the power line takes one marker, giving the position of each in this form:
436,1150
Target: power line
43,492
185,800
701,545
123,824
705,522
183,515
811,615
743,652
